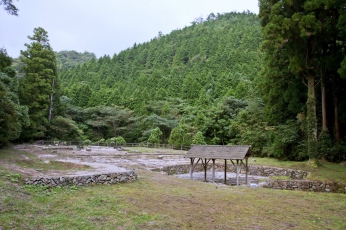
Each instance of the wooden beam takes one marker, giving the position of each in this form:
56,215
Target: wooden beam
196,163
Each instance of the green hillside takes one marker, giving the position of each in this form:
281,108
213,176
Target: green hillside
210,79
217,58
275,81
204,72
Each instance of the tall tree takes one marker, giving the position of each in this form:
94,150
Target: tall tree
13,116
305,36
39,86
9,7
292,29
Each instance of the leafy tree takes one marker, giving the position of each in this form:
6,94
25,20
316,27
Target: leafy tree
13,116
181,135
198,139
249,128
120,140
63,128
103,121
155,136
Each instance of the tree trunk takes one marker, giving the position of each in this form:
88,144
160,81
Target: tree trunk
324,108
311,117
51,103
336,119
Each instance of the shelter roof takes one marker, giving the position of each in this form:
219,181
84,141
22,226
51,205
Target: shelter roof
235,152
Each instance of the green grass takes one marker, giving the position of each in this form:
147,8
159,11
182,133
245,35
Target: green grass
327,171
157,201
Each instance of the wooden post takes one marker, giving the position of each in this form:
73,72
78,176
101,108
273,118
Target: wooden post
225,178
205,169
191,167
238,172
247,169
213,170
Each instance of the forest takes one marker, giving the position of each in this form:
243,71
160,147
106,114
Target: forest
275,81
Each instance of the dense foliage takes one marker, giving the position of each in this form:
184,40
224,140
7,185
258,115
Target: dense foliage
232,78
67,59
205,72
13,116
304,41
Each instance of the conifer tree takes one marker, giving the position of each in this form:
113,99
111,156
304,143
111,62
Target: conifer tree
38,88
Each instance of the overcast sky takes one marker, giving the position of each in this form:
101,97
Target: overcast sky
105,27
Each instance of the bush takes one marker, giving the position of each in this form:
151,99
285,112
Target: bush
120,140
87,142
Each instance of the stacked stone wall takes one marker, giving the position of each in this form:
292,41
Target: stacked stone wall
305,185
87,180
297,181
253,170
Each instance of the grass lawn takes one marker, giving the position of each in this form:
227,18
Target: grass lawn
157,201
325,172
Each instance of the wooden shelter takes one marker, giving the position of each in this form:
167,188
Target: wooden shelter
204,153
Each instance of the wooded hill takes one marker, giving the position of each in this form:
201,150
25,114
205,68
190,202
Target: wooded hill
214,58
213,82
204,72
207,78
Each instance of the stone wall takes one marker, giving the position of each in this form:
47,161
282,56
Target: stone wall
305,185
109,178
298,181
253,170
273,171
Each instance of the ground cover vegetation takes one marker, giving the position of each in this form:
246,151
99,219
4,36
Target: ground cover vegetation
157,201
273,80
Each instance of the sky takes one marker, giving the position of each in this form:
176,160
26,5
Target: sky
105,27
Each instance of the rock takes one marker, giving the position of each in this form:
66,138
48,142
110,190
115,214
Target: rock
103,177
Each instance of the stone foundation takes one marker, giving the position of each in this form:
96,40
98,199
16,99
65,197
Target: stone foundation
87,180
253,170
305,185
298,181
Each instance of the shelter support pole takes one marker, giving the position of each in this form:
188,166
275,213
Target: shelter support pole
213,170
247,169
191,167
225,178
205,169
238,172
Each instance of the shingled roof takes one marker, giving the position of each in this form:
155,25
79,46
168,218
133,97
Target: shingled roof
235,152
